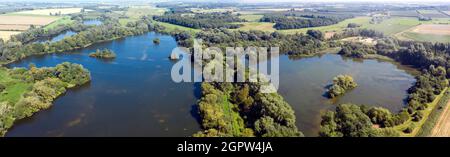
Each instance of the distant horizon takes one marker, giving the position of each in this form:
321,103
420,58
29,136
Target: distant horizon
240,1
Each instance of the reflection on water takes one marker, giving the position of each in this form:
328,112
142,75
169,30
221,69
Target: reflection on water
127,97
303,83
59,37
134,94
92,22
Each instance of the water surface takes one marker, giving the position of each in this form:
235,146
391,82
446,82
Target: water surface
58,37
134,95
92,22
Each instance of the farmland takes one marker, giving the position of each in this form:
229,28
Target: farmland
251,17
217,10
11,24
262,26
64,20
432,13
432,29
26,20
406,13
5,35
62,11
138,11
331,28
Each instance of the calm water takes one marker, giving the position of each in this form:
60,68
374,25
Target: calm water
92,22
59,37
303,83
134,95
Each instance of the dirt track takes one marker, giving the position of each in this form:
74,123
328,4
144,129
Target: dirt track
442,128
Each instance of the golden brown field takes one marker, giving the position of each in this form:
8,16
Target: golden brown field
5,35
48,11
432,29
27,20
14,27
442,127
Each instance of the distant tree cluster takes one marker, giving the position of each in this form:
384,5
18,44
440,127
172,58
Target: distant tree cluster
296,21
104,54
352,32
353,25
203,20
356,50
156,41
341,84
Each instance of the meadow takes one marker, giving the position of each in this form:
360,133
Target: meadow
262,26
61,21
139,11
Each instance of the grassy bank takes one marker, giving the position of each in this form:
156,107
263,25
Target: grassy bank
432,120
24,92
427,113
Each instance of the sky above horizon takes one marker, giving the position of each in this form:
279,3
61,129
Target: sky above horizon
237,1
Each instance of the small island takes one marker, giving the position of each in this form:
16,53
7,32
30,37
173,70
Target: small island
103,54
341,84
156,41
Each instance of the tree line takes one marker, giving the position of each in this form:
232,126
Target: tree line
295,44
201,20
296,21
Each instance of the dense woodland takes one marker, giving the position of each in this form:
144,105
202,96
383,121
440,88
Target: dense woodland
240,110
198,21
298,44
296,21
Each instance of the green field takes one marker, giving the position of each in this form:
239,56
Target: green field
262,26
390,26
124,22
171,27
331,28
426,37
62,21
251,17
14,88
139,11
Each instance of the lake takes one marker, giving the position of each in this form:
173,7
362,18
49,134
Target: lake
134,95
56,38
92,22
